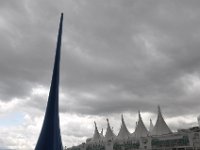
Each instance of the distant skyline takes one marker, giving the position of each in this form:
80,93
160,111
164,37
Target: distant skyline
118,57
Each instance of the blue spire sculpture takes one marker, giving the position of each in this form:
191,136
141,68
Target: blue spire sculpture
50,138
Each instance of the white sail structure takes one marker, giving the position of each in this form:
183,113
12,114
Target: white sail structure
160,127
140,130
159,137
151,126
96,136
109,132
123,133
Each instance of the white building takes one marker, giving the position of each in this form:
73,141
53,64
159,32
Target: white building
159,137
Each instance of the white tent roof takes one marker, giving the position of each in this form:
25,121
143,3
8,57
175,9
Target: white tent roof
109,132
96,137
140,130
160,126
123,133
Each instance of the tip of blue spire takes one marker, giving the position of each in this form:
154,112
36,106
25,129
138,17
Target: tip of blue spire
61,17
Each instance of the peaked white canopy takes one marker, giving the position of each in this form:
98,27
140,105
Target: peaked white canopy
123,133
109,132
96,137
140,130
160,127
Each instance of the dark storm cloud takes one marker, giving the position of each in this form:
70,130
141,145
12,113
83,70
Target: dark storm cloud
117,55
140,48
26,47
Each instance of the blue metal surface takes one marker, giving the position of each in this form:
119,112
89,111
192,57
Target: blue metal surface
50,138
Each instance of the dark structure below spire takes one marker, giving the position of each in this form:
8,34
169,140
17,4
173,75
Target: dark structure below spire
50,138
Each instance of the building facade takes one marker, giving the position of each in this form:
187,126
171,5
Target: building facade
159,137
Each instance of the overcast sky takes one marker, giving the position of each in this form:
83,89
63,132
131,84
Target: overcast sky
118,56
